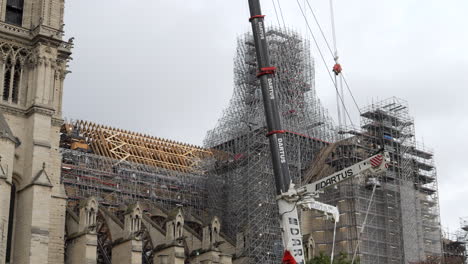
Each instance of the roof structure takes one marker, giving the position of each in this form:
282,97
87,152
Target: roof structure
135,147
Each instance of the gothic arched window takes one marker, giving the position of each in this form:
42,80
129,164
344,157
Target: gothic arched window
16,82
11,80
6,79
14,12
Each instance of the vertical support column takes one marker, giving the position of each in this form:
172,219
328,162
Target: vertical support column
3,10
82,250
34,196
82,246
58,200
173,254
46,84
38,81
60,80
20,85
32,226
2,74
12,76
129,251
7,151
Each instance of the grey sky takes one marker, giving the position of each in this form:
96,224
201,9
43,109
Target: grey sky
164,67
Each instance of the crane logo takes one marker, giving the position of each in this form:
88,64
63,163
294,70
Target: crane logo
376,161
260,30
281,150
270,88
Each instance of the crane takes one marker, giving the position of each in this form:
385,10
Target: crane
305,196
288,197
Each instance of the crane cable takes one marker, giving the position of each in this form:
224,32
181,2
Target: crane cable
341,116
319,50
337,67
329,48
281,13
321,56
363,223
276,13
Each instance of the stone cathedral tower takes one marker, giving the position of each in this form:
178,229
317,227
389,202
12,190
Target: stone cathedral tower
33,65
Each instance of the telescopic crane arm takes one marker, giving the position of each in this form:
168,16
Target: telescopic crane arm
375,164
292,237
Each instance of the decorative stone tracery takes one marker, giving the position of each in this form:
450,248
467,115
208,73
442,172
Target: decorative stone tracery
17,63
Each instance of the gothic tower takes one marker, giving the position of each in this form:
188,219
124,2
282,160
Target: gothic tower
33,65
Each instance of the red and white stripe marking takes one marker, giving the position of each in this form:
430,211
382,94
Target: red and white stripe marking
376,161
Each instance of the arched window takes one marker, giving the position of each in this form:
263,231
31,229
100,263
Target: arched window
11,80
16,82
14,12
7,79
178,230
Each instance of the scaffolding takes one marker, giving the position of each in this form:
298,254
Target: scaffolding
462,236
122,167
249,204
454,247
403,223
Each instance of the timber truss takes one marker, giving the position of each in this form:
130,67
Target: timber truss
135,147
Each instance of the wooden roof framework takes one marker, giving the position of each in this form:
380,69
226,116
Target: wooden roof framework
135,147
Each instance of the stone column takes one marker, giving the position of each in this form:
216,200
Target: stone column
12,78
2,74
34,193
170,254
19,97
82,247
7,152
2,9
127,251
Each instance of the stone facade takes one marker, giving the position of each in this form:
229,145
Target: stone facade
129,236
33,65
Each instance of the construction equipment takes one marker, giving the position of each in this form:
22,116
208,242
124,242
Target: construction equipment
288,196
71,138
305,196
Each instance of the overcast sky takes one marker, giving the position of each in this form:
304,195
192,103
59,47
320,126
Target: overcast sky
164,67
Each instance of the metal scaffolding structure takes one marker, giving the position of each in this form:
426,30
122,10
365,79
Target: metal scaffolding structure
454,246
300,109
403,222
249,204
155,172
462,236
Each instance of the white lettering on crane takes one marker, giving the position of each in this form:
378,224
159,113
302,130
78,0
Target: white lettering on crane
260,30
270,89
281,150
334,179
296,238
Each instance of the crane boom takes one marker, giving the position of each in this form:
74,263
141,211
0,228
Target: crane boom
374,164
292,237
